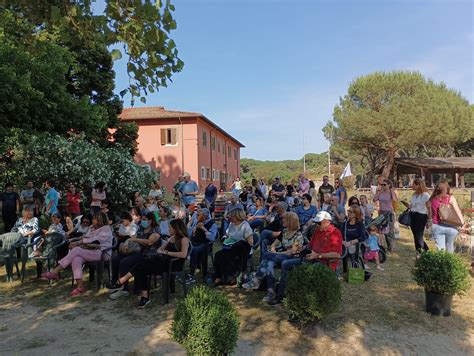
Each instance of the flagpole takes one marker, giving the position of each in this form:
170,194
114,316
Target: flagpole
304,155
329,160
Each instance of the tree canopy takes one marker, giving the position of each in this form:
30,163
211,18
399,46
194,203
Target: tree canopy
385,115
138,29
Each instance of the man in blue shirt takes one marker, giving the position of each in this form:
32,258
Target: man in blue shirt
210,195
189,189
51,199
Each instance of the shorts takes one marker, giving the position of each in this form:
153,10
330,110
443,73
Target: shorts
371,255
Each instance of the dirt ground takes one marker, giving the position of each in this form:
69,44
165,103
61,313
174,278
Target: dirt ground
384,316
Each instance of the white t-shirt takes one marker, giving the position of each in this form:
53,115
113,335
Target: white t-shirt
129,230
418,203
239,232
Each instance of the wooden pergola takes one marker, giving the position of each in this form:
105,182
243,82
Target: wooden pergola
455,167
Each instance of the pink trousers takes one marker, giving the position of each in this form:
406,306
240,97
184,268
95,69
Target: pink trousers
76,258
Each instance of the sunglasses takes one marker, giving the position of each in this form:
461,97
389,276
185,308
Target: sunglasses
384,185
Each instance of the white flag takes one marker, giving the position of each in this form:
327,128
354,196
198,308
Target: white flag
347,171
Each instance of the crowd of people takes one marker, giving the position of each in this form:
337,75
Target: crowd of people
288,224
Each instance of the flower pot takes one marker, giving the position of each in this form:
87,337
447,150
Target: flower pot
438,304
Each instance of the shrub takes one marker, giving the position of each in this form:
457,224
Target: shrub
312,292
441,272
205,323
76,161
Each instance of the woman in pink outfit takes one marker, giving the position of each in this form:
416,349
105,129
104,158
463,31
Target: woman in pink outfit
86,249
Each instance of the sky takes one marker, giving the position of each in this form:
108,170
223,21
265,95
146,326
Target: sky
270,72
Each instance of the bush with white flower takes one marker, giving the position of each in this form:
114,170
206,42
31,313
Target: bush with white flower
77,161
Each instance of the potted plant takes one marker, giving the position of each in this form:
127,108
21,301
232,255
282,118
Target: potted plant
443,275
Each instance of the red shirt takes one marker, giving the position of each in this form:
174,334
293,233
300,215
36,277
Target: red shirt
72,203
327,241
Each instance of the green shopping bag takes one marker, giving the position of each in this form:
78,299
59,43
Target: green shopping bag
356,275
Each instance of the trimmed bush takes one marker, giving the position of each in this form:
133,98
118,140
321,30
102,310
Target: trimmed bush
205,323
312,292
442,273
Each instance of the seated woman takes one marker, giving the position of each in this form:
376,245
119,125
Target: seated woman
148,238
353,232
86,249
291,245
176,247
257,219
232,259
353,200
306,212
81,228
127,227
55,228
326,204
178,210
164,215
27,226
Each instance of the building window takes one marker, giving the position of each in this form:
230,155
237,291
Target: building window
169,137
213,143
213,174
235,154
204,138
216,177
203,173
218,146
208,173
229,151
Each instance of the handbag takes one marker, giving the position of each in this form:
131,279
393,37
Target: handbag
127,248
405,218
356,275
447,215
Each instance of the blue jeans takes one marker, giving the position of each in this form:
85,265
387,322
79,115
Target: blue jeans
444,237
286,267
255,224
266,238
267,266
197,253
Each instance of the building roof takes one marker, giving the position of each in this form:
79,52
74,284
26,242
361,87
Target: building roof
159,112
438,163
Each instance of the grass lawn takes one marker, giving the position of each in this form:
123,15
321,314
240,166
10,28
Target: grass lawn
383,316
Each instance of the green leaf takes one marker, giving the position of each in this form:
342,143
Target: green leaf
116,54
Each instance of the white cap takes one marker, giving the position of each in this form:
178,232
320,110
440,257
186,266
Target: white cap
322,215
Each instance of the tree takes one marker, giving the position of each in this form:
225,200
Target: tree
141,29
385,115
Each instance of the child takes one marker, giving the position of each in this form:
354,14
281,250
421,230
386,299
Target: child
55,228
372,244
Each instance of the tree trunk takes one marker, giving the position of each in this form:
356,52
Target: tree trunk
390,163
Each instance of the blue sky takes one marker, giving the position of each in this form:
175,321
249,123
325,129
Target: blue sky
269,72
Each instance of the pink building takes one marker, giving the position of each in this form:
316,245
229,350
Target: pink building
175,142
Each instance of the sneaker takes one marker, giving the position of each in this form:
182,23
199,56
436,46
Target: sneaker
269,296
366,267
113,287
275,301
49,275
117,294
380,268
143,303
252,284
190,279
77,291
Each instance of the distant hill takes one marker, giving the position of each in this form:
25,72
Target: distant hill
316,166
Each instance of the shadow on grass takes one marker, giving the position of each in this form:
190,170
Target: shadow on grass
384,314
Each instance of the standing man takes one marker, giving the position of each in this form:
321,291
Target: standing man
303,185
27,198
325,188
52,198
178,184
340,192
278,189
10,203
210,194
188,189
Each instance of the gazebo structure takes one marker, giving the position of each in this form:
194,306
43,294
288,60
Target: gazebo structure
455,167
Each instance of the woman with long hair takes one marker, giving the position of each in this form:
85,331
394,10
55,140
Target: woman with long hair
386,196
86,249
353,232
176,247
419,213
443,234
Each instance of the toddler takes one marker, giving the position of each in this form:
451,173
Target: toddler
372,252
